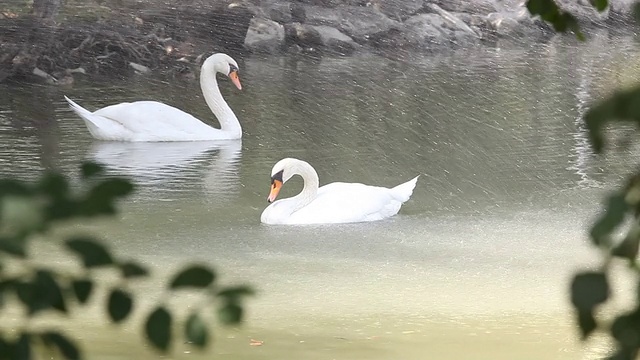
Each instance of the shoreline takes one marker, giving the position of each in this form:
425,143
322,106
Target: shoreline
172,42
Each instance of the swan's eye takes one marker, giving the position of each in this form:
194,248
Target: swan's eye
277,177
232,68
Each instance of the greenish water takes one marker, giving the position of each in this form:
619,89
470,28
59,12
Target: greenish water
476,265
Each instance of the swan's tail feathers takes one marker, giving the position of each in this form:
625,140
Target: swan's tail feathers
82,112
404,191
86,115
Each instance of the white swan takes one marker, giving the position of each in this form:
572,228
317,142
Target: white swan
332,203
155,121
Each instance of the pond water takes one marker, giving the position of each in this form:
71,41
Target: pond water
475,266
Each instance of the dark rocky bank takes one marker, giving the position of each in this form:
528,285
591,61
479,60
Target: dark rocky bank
133,36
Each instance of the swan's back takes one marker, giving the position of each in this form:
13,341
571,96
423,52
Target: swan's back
155,121
146,121
352,202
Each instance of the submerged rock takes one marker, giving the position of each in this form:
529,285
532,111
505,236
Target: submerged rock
264,35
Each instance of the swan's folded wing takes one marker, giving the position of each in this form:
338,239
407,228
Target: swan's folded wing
348,202
154,120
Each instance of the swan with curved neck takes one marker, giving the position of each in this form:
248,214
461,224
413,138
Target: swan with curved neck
332,203
155,121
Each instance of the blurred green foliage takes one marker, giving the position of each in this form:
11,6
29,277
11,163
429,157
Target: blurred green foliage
616,232
30,211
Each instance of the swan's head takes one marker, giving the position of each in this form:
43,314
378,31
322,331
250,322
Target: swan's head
282,171
225,65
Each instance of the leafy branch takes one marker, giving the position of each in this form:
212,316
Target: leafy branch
616,232
28,211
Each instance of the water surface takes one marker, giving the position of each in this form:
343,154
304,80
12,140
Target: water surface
477,263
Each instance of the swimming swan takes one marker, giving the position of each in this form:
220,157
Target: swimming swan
332,203
155,121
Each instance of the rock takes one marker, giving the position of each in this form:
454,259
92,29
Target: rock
229,24
139,69
360,23
264,35
298,13
279,12
516,26
426,31
323,3
333,41
224,24
305,36
454,23
399,9
466,6
621,10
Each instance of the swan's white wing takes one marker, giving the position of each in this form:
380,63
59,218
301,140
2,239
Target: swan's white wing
154,121
347,202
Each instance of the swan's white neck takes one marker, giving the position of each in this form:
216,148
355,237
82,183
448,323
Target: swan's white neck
311,183
209,85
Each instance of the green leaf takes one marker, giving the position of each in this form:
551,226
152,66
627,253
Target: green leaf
622,106
235,293
20,214
626,330
64,345
551,13
120,305
600,5
628,248
589,289
54,184
48,292
539,7
23,347
100,199
230,314
586,322
194,276
90,169
158,328
13,246
624,354
196,331
93,254
7,349
615,211
61,208
41,293
113,188
131,270
14,187
82,289
6,286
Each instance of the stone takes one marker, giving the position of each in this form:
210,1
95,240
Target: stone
515,26
334,41
360,23
265,36
426,30
453,22
280,12
305,36
398,9
466,6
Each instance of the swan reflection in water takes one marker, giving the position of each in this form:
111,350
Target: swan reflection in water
166,169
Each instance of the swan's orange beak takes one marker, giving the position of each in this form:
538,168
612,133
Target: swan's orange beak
233,75
275,189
